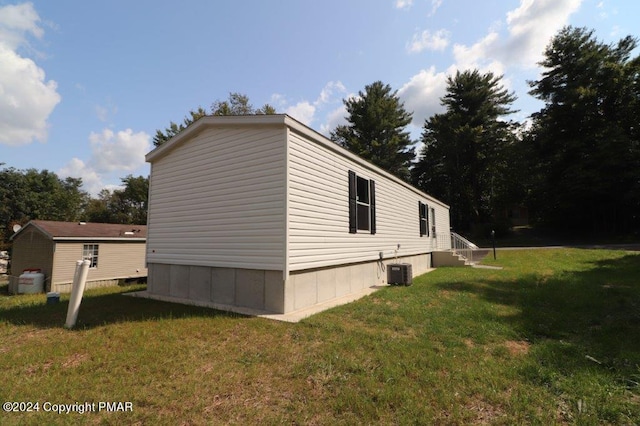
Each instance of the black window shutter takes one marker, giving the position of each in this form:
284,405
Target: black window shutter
353,218
421,214
372,200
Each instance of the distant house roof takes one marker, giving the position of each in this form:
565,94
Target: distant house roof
61,231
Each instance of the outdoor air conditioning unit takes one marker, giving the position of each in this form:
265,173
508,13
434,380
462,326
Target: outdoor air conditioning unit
399,274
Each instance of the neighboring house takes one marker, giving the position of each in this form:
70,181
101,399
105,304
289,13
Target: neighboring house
263,212
115,251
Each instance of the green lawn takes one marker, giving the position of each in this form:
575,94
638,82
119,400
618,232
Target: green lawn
553,338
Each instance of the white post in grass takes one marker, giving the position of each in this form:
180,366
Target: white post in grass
79,281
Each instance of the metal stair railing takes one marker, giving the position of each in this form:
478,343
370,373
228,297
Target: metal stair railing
462,247
443,241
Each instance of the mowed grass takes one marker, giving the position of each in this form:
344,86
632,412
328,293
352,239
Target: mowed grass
553,338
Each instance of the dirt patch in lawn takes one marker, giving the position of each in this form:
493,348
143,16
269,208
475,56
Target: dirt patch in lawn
517,347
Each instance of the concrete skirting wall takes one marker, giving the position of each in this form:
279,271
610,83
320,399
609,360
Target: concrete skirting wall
265,290
310,287
446,258
248,288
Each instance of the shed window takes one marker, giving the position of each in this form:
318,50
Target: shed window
423,212
90,253
362,204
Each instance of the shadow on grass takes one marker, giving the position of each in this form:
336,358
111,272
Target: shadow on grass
103,309
575,319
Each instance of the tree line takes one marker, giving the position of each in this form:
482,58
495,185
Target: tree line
41,194
574,165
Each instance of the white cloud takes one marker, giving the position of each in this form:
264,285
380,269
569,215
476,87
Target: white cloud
122,151
104,112
112,155
404,4
305,111
329,90
91,180
334,119
422,94
467,57
429,41
278,100
16,23
26,98
435,5
529,29
615,31
302,111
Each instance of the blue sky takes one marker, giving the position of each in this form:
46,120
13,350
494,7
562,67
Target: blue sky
84,85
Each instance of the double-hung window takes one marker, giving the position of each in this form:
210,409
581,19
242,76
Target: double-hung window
362,204
423,212
90,253
433,222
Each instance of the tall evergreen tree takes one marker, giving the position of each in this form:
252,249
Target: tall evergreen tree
376,130
586,137
465,156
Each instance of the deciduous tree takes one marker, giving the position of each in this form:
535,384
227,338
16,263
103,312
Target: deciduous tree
32,194
127,205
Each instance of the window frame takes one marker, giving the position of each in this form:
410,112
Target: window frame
362,198
363,204
423,217
90,252
433,221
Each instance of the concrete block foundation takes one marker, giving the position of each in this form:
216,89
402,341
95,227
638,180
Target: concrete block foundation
268,291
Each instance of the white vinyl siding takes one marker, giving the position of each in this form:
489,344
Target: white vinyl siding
116,259
219,200
319,210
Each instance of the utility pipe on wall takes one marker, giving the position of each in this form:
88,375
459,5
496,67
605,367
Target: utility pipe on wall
77,290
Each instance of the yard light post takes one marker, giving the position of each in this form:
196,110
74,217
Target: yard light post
493,240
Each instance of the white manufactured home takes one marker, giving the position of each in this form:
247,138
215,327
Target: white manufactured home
263,212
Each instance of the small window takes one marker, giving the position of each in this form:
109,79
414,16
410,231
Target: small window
423,211
90,253
362,204
433,222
